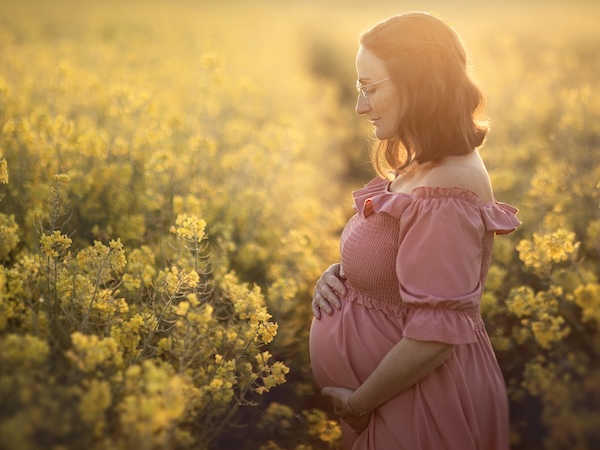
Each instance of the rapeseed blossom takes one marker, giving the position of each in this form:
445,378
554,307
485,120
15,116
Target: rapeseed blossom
55,245
587,297
9,236
3,171
543,251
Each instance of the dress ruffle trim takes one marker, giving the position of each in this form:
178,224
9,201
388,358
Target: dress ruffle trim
441,325
376,197
428,322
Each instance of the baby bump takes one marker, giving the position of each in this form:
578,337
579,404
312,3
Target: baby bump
347,346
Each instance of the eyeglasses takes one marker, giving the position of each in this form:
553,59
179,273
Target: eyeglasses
363,90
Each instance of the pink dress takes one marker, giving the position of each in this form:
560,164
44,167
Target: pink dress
415,266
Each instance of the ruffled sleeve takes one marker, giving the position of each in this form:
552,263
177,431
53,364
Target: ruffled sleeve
440,259
441,250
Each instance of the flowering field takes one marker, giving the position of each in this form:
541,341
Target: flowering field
173,180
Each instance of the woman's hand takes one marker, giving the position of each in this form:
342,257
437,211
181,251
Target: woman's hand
339,397
328,290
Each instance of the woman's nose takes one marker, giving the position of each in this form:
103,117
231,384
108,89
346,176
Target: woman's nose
362,105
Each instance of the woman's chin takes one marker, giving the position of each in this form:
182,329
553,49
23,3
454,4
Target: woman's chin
381,134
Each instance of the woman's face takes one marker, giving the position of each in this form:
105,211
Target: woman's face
382,103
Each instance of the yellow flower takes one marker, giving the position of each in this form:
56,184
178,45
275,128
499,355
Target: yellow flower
182,308
94,403
587,297
22,353
549,329
541,252
321,426
190,228
55,245
3,171
540,314
521,301
91,353
62,178
262,359
155,402
9,235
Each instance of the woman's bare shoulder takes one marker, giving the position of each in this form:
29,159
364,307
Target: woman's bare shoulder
465,172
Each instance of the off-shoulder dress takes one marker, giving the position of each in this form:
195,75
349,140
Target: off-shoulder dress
415,267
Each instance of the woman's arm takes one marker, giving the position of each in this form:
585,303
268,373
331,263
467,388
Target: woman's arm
408,362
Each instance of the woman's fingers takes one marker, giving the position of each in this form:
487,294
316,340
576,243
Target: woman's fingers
339,399
338,396
328,291
319,304
358,424
338,271
333,277
324,302
331,287
329,296
316,310
336,287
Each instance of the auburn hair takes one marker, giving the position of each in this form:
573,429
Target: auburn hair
442,107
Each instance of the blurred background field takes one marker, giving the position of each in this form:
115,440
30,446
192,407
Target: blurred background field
174,177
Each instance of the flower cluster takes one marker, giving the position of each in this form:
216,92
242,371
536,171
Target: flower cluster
540,314
248,304
190,228
9,236
542,251
55,245
3,171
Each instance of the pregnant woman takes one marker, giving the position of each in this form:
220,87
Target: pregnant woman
397,343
